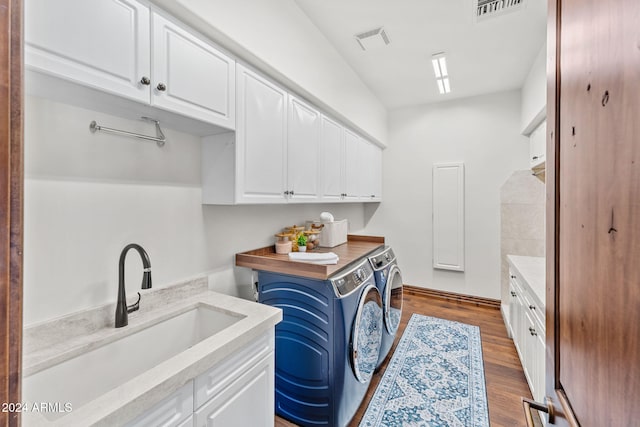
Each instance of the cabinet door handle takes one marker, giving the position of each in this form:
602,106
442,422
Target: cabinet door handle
535,157
145,80
532,331
527,404
291,193
532,307
161,87
513,277
286,193
513,294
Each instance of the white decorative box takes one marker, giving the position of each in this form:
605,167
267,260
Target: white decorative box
334,233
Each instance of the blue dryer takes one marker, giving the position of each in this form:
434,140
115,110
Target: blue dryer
389,283
327,344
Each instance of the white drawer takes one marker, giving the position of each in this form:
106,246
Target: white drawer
174,411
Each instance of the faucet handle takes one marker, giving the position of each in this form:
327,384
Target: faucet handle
136,306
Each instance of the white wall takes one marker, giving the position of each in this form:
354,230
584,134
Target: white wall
88,195
534,93
484,133
277,37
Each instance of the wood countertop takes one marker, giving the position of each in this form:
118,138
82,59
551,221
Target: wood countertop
266,259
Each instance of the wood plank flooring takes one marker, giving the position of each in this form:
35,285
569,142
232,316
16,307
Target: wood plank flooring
503,372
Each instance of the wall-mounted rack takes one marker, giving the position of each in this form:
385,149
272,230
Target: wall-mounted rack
159,138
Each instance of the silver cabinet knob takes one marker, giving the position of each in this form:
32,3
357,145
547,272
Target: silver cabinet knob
161,87
145,80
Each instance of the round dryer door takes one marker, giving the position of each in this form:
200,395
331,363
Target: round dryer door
393,300
366,335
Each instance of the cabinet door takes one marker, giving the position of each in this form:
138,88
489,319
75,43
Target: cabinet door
537,145
174,411
190,76
371,172
303,145
528,348
248,401
331,160
101,44
540,357
352,165
513,310
261,145
376,173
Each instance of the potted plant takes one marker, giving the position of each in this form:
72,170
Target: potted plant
302,242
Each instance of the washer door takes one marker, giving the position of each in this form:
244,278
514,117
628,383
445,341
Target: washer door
366,335
393,300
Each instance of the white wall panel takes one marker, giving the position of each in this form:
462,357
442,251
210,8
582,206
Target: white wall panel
448,216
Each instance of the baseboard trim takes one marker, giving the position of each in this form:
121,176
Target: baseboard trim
452,296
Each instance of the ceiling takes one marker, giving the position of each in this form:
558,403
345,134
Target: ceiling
490,55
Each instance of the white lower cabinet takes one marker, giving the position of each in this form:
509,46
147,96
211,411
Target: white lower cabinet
244,402
174,411
238,391
526,323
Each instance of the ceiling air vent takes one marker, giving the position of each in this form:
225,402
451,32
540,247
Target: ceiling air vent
373,39
490,8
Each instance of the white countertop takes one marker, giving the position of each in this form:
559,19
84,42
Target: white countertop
42,350
532,270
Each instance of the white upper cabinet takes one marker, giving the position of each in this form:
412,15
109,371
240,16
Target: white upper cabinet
108,45
303,148
103,44
190,76
261,139
331,160
373,174
538,145
353,165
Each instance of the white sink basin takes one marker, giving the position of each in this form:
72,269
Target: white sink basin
91,374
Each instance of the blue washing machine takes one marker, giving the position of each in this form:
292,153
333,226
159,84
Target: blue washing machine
327,344
389,282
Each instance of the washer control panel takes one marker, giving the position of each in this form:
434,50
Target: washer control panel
347,282
383,259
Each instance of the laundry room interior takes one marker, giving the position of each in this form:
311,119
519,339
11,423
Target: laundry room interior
338,212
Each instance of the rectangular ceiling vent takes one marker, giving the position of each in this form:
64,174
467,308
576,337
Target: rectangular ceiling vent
373,39
490,8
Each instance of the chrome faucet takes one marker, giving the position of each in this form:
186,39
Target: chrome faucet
122,310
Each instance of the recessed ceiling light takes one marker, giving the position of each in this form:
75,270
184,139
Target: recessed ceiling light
441,72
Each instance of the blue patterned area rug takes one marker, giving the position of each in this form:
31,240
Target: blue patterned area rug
435,378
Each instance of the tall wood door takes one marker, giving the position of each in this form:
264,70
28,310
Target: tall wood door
593,217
